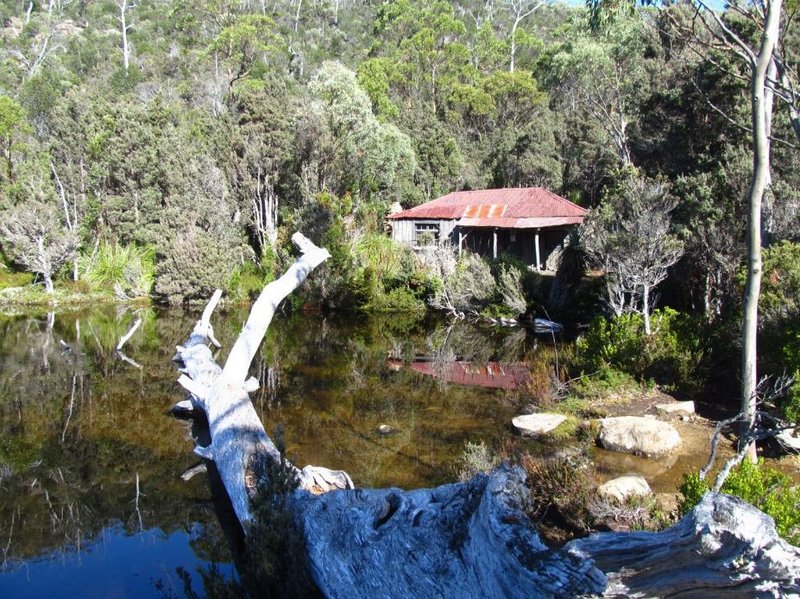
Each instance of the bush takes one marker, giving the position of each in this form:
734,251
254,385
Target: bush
561,491
767,489
476,459
193,265
669,356
780,292
14,279
127,270
247,281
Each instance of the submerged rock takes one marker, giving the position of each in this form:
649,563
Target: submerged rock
535,425
625,486
635,434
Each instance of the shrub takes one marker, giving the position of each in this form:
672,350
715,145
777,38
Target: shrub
561,490
477,458
193,265
767,489
14,279
510,289
127,270
247,281
780,292
670,355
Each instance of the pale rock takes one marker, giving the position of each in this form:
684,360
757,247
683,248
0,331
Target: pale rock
676,407
535,425
624,486
642,436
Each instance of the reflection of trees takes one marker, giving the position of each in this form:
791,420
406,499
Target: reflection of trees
335,389
459,340
79,425
84,443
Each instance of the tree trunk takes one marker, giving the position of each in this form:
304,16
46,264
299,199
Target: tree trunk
646,309
758,184
240,446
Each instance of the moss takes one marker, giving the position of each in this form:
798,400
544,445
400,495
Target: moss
9,278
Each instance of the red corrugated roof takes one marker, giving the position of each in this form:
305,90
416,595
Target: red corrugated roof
499,207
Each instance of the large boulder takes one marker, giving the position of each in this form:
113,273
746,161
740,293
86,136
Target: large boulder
536,425
638,435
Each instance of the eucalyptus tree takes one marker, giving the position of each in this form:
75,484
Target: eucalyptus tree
603,76
768,76
519,10
32,231
630,235
354,151
125,25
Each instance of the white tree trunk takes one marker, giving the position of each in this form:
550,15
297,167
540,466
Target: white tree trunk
239,445
758,185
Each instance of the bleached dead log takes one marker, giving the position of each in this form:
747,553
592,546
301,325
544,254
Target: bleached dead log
466,540
240,446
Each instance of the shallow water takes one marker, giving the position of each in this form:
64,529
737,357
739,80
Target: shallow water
91,499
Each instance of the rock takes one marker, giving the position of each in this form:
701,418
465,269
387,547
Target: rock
535,425
385,429
634,434
623,487
676,407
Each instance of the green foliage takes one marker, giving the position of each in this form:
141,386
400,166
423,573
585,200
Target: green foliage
128,271
476,459
779,307
560,491
246,282
195,263
670,355
771,491
14,279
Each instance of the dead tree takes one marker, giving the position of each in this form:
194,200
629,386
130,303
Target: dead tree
470,539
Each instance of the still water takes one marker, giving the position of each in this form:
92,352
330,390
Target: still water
92,503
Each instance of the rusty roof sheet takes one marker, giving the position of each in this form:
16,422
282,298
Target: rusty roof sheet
492,374
509,207
521,223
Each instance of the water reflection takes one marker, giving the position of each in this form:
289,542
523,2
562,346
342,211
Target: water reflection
90,464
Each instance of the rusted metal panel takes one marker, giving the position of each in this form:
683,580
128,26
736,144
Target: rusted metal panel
520,223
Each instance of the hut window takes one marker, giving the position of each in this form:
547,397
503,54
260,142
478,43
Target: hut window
426,233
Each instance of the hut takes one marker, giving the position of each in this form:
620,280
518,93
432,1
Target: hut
530,223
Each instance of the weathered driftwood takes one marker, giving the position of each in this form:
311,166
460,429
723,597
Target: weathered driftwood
461,540
723,548
239,444
469,539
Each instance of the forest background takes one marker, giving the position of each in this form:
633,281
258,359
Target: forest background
167,148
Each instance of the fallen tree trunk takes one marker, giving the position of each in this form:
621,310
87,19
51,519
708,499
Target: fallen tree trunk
240,447
468,539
